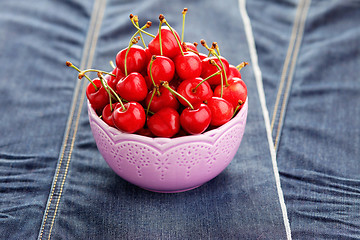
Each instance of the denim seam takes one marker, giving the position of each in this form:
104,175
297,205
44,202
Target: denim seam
290,50
262,99
285,100
72,125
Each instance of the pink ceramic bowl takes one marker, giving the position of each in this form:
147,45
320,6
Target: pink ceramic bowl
169,164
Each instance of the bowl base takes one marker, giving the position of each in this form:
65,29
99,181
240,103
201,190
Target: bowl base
172,191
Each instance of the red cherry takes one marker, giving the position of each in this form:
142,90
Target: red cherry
162,69
235,91
188,65
148,56
187,89
197,120
111,80
233,72
169,44
107,114
132,87
208,69
165,99
130,119
221,111
164,123
135,61
98,98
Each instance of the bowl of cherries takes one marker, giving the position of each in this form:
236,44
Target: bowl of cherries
167,117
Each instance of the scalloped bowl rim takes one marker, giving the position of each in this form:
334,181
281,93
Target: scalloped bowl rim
209,136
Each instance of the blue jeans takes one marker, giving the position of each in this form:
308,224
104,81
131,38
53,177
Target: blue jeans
295,175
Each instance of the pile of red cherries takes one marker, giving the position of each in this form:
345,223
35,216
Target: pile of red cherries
166,88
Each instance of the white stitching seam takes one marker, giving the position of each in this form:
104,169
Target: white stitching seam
258,78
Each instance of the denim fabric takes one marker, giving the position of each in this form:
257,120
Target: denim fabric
316,127
54,183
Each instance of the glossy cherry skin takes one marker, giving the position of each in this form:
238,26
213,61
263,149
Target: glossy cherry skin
164,123
131,119
188,65
132,87
136,59
111,80
170,46
107,114
197,120
165,99
187,89
208,69
235,91
233,72
98,98
162,69
221,111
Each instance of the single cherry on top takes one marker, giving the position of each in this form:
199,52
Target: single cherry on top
132,87
160,69
195,90
129,117
169,46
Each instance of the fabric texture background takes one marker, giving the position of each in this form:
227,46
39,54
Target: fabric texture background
295,175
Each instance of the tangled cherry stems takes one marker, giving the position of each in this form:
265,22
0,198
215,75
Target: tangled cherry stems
134,41
69,64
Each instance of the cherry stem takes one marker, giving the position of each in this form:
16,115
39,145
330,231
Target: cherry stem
152,96
132,42
213,52
160,40
140,34
150,70
212,75
222,80
241,65
238,107
138,28
166,85
69,64
183,24
177,40
112,64
107,88
82,73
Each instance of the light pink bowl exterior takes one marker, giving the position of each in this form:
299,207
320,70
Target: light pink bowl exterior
169,164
